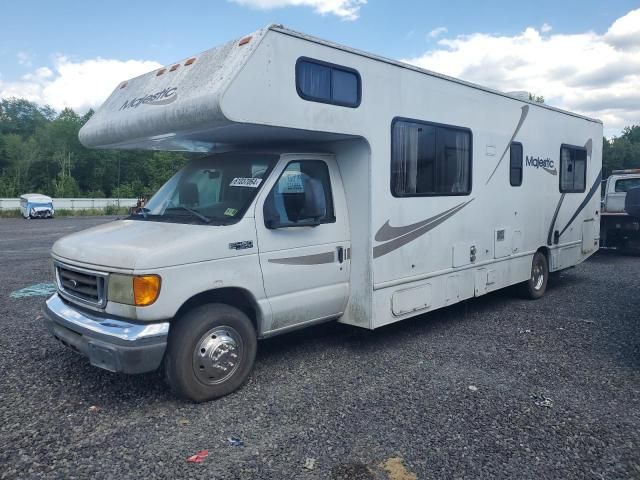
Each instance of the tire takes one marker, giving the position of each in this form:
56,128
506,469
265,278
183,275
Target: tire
535,287
208,330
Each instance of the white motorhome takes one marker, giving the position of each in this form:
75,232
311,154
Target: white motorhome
334,184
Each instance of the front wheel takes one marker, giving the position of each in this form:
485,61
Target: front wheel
535,287
210,352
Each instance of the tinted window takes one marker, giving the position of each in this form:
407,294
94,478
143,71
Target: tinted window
429,159
302,195
573,169
314,80
327,83
515,164
627,184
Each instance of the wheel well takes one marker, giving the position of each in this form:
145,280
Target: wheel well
547,253
232,296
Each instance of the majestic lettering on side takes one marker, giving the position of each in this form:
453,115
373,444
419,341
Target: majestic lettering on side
163,97
546,164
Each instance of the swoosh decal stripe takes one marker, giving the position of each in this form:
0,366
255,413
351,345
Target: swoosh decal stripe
523,116
315,259
387,232
553,220
398,242
594,189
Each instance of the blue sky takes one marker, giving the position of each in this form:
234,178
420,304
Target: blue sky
38,39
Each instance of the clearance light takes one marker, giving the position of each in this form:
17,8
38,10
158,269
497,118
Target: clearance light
189,62
160,72
244,41
174,68
123,84
146,289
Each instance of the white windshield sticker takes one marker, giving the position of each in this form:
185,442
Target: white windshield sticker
245,182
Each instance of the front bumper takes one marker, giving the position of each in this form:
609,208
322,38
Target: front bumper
113,344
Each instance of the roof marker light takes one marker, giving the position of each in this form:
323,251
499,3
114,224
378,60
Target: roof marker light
244,41
190,61
174,68
123,84
160,72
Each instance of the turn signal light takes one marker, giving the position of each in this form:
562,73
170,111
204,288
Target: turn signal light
146,289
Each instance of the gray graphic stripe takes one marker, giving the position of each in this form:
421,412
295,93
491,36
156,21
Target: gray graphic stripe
315,259
523,116
387,232
166,101
594,189
392,245
553,220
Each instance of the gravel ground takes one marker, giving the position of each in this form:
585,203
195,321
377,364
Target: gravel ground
495,387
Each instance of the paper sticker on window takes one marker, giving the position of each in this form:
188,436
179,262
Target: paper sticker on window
230,212
245,182
291,182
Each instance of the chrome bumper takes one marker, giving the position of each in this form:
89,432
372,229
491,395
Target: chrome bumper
113,344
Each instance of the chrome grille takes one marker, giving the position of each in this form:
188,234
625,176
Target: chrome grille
85,286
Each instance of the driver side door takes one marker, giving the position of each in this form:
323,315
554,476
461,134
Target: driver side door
303,242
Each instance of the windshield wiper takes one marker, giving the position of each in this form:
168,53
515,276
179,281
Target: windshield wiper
192,212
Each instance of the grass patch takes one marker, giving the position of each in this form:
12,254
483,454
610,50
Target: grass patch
85,212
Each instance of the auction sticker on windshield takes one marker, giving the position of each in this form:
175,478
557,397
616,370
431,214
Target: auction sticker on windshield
245,182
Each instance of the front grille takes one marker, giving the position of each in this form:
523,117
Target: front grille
84,285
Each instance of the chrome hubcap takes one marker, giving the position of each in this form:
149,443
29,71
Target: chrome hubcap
217,355
537,276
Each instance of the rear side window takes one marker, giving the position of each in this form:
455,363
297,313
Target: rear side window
627,184
324,82
515,164
573,169
429,159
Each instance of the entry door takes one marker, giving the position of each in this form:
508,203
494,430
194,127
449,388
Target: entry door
303,241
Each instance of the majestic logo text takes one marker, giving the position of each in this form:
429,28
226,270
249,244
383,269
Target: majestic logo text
163,97
545,163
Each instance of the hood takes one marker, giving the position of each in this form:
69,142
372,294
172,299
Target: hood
145,245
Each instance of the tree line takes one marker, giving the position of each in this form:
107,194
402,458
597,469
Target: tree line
40,152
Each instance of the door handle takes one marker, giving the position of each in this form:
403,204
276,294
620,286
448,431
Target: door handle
340,254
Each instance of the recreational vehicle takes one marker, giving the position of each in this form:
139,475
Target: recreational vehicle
35,205
333,184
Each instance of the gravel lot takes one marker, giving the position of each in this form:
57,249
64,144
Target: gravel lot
495,387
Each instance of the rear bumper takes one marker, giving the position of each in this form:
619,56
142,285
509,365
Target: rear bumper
113,344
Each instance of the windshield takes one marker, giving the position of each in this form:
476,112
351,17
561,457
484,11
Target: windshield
215,190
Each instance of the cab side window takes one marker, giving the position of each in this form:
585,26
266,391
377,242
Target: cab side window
301,196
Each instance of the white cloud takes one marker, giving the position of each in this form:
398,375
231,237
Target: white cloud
24,58
546,28
597,75
77,84
436,32
345,9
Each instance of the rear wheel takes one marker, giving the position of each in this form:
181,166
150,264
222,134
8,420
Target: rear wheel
535,287
210,352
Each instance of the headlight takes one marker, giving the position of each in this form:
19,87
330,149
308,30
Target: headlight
139,290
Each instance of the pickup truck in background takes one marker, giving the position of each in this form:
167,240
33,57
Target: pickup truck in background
620,225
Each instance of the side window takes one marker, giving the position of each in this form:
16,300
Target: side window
301,196
515,164
573,169
323,82
429,159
